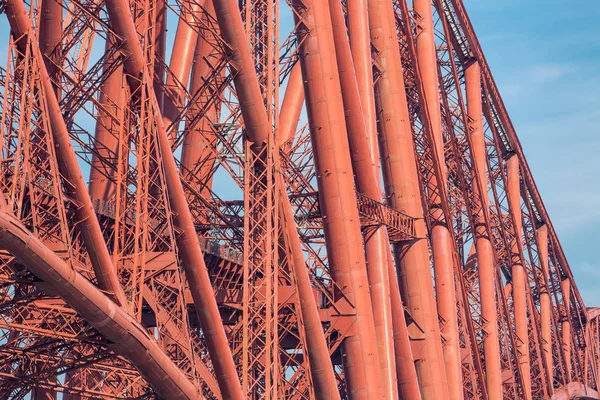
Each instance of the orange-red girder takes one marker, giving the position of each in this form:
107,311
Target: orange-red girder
291,107
447,378
402,188
245,79
181,62
106,139
545,302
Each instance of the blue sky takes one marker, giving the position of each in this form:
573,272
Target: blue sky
545,57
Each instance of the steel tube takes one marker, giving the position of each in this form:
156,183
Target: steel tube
403,354
440,234
360,45
106,140
181,63
366,183
483,245
293,100
545,303
197,274
519,278
69,165
565,285
51,22
187,241
402,188
160,49
337,198
245,78
321,368
125,335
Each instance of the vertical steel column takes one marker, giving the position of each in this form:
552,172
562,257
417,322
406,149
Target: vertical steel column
402,187
321,368
401,181
366,182
483,244
106,140
545,304
519,278
565,285
360,45
440,235
68,164
408,387
337,197
160,49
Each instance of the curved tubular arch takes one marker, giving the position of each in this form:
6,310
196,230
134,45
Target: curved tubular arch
128,338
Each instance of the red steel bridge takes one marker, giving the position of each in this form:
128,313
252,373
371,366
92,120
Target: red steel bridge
259,199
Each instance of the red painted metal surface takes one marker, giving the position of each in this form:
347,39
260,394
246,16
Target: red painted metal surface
391,245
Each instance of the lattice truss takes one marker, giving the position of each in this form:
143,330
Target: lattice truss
259,199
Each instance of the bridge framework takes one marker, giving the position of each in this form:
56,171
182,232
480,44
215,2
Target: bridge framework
311,199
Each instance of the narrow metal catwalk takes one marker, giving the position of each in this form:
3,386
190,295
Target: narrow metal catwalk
259,199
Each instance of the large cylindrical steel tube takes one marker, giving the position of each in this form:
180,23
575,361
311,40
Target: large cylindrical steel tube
519,277
291,106
181,62
545,302
187,241
402,187
321,368
441,239
51,22
337,197
366,183
245,78
106,140
198,153
483,245
127,336
566,338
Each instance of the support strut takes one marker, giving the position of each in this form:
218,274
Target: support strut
402,188
337,198
483,244
321,368
519,278
545,303
366,183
